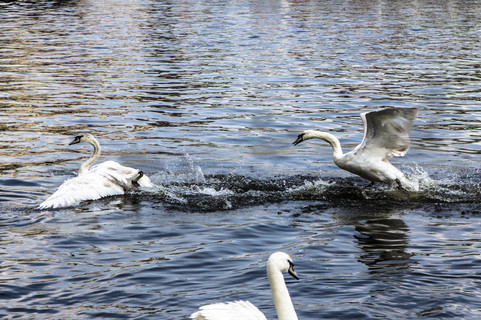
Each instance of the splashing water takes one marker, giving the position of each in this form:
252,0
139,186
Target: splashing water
190,189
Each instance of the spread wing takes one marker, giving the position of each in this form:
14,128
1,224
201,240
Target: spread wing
89,186
237,310
386,132
106,179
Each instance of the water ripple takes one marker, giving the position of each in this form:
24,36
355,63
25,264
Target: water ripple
206,98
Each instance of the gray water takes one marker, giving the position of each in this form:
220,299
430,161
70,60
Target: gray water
206,97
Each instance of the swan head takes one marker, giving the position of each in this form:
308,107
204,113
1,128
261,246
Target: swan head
282,262
306,135
84,137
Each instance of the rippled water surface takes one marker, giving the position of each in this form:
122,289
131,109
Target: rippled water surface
206,97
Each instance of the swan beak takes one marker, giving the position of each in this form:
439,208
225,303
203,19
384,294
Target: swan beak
291,271
299,139
75,140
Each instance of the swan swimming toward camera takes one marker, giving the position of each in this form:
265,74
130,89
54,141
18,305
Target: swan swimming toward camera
386,134
106,179
278,262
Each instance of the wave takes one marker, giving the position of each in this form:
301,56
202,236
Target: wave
191,190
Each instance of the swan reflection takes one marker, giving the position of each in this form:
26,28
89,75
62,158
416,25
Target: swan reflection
383,243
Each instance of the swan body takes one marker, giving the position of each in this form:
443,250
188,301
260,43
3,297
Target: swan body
106,179
244,310
386,134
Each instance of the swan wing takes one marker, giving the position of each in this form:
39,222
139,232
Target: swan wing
89,186
106,179
236,310
386,132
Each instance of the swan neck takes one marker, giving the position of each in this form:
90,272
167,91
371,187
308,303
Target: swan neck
280,295
84,168
333,141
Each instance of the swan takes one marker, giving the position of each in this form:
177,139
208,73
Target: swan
385,135
236,310
106,179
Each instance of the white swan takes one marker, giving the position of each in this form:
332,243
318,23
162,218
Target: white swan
385,135
244,310
106,179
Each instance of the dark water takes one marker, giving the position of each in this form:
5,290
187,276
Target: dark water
206,97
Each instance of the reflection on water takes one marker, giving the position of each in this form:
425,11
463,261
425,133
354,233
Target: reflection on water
206,97
384,242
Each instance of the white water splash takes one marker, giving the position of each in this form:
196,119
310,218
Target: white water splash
213,192
183,171
317,186
419,177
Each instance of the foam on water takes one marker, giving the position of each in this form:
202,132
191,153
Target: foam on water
189,189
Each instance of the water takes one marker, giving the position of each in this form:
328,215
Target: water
206,97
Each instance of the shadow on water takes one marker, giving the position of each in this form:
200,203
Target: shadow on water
383,243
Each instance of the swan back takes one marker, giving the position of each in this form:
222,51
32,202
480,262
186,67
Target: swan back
236,310
124,176
386,132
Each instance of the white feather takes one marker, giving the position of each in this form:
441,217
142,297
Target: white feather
89,186
106,179
236,310
125,175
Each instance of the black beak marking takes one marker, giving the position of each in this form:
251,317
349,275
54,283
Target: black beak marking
299,139
136,180
75,140
291,270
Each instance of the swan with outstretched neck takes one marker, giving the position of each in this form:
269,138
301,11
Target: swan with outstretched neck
106,179
386,134
278,263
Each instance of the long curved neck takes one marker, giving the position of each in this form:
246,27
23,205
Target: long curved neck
332,140
84,168
280,295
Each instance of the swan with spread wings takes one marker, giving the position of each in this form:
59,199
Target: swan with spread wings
386,134
106,179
